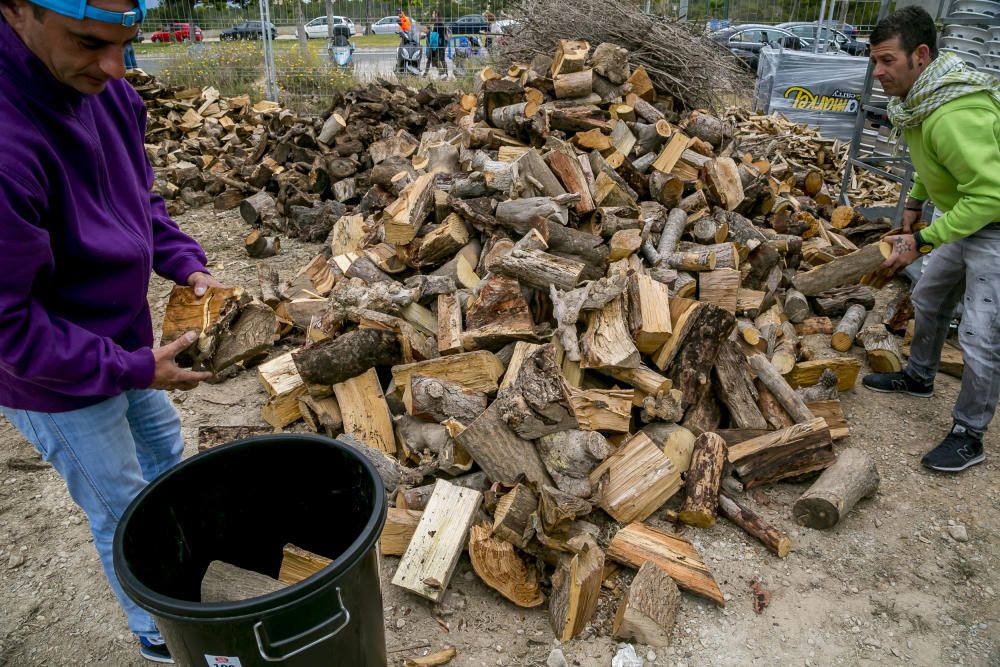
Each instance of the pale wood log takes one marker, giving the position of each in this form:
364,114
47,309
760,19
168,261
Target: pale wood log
831,412
671,153
539,269
722,180
500,568
298,564
444,241
640,478
702,481
644,380
404,217
573,84
568,169
881,348
785,348
475,371
512,516
400,526
671,233
796,306
365,412
259,246
779,388
533,178
676,442
649,608
576,587
607,341
514,118
703,259
847,329
720,287
566,312
321,414
284,386
807,373
791,452
844,270
707,128
637,543
570,56
438,399
853,477
449,325
500,452
223,582
429,561
683,316
570,457
649,313
775,540
608,410
814,325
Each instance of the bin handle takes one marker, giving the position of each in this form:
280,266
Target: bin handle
340,619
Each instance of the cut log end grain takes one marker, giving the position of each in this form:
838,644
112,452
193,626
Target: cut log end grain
853,477
499,566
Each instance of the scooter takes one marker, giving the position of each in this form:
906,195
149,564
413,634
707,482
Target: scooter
409,53
341,48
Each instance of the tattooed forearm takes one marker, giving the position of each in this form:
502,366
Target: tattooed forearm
904,245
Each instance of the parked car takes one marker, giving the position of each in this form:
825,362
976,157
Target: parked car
318,28
247,30
812,31
846,28
746,41
470,24
176,32
388,25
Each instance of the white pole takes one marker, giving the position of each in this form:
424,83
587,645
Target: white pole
270,81
822,11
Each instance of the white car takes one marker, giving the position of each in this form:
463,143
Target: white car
388,25
317,28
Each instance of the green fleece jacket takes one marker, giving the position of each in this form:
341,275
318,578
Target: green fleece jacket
956,153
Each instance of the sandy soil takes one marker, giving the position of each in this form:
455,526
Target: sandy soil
888,585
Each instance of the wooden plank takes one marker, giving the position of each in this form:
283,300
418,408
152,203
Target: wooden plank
430,558
637,543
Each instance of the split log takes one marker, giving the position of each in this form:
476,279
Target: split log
807,373
649,608
640,478
777,417
400,525
722,180
814,325
697,350
665,406
512,517
720,287
403,218
449,325
347,356
568,169
570,56
284,386
576,587
534,178
430,558
223,582
636,544
298,564
704,415
786,349
499,451
702,481
557,508
779,388
792,452
365,412
831,412
443,241
607,342
570,456
735,387
500,568
853,477
776,541
834,302
649,314
573,84
848,327
537,403
499,303
259,209
676,442
321,414
475,371
608,410
644,380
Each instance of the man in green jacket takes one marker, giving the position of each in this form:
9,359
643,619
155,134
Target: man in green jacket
950,116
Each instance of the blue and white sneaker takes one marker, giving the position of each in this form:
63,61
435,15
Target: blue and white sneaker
154,650
959,450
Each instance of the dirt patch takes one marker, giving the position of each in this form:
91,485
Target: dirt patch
887,585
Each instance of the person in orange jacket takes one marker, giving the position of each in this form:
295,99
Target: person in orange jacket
404,22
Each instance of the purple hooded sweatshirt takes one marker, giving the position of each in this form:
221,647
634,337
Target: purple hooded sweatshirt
80,232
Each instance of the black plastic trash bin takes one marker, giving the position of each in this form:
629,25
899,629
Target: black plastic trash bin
241,503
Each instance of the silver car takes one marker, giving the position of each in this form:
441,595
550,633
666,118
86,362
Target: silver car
317,28
388,25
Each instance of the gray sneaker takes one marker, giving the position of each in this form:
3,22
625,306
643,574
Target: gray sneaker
959,450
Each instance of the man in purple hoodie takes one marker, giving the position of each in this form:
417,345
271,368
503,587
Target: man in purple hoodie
80,233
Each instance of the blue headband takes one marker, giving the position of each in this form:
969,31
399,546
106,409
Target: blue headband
79,9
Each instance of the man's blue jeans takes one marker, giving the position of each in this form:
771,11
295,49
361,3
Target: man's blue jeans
107,453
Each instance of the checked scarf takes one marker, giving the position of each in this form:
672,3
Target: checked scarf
945,79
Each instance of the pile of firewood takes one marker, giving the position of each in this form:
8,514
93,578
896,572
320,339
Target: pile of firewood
573,307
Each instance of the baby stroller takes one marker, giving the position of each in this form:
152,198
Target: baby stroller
409,53
341,48
460,49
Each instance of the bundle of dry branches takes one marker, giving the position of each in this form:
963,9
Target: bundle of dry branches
697,72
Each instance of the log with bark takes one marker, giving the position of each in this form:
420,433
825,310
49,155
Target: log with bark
853,477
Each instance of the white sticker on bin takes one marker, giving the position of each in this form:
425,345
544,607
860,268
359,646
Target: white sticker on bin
223,661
